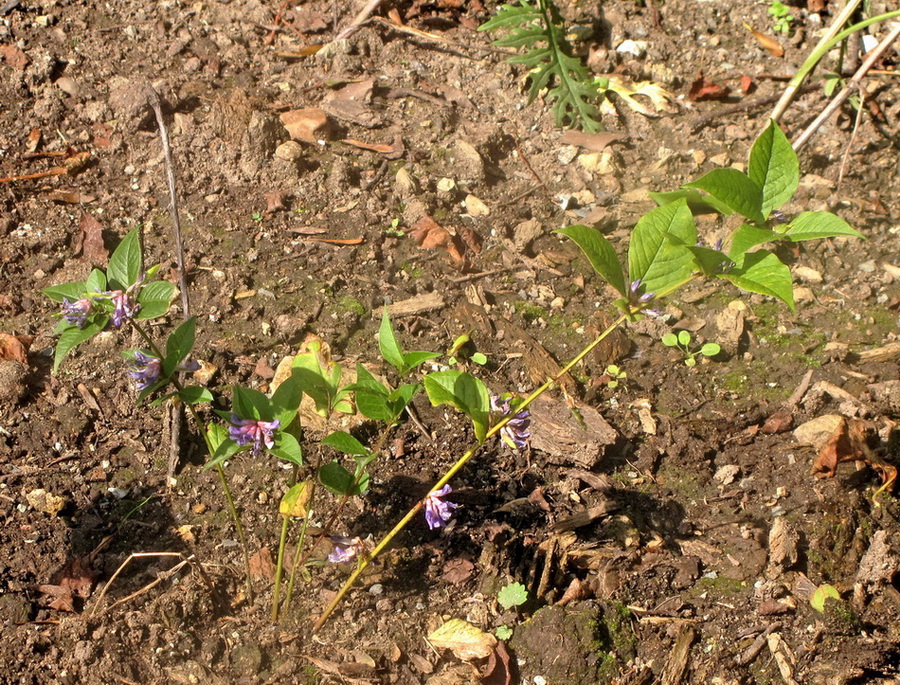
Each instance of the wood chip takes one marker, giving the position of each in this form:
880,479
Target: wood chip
427,302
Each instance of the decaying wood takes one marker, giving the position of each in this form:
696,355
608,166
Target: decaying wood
676,667
567,439
880,354
427,302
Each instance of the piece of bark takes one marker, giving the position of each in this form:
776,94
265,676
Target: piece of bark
566,440
419,304
677,664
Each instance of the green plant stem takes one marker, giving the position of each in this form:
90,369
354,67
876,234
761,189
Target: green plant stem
464,459
279,566
299,559
222,477
822,49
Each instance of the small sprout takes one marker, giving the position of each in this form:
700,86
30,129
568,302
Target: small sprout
503,632
394,229
682,341
479,358
512,595
257,217
782,17
615,376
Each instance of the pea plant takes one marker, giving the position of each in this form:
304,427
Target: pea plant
663,255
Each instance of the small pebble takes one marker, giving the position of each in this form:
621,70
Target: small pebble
376,589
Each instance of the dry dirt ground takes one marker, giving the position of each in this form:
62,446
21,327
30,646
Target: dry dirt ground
681,528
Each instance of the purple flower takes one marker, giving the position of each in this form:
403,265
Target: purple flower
247,431
76,312
641,299
437,511
144,369
515,433
345,549
125,307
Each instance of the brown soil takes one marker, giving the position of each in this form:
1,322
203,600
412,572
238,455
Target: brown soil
707,534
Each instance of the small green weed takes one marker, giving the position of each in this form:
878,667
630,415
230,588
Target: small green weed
683,342
782,19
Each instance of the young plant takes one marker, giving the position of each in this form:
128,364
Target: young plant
511,596
782,19
464,349
616,376
683,342
662,256
540,29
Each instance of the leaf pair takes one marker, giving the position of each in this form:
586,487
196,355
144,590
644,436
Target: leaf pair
335,476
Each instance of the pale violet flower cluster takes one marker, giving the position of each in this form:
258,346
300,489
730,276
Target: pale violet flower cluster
515,433
253,432
438,512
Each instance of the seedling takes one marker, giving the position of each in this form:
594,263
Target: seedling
683,342
616,375
393,230
510,596
463,348
257,217
781,17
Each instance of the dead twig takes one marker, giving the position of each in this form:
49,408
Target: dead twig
749,654
853,84
163,575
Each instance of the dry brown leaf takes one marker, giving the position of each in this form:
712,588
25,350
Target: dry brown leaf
767,42
704,89
261,564
75,579
429,235
14,57
336,241
497,671
309,125
275,202
14,347
34,140
850,442
463,639
595,142
91,243
778,422
70,197
458,570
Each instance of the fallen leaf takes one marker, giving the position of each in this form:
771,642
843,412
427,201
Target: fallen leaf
75,163
429,235
336,241
34,140
261,564
14,56
458,570
309,125
393,151
767,42
275,202
778,422
850,442
463,639
295,501
75,579
497,671
14,347
595,142
704,89
91,243
71,197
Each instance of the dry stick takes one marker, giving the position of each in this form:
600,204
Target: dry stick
136,555
791,90
358,20
853,84
857,120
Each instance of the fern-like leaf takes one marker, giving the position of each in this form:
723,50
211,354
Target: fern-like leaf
540,29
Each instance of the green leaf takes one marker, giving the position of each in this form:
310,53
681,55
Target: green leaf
413,359
387,343
346,443
338,479
400,398
216,434
710,349
287,448
194,394
179,346
747,237
734,189
710,261
96,282
599,252
464,392
72,337
762,272
367,382
774,168
512,595
503,632
670,340
479,358
814,225
285,401
251,404
223,452
315,381
155,299
73,291
373,405
698,203
125,262
684,338
822,593
658,254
